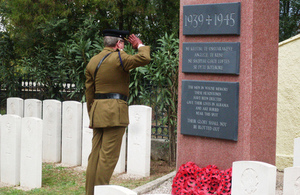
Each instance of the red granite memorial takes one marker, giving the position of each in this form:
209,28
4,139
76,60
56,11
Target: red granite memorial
227,100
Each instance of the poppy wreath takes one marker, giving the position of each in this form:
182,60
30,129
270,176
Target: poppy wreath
193,180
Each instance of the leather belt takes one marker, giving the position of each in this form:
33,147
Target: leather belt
110,96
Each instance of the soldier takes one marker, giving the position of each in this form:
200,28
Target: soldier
107,89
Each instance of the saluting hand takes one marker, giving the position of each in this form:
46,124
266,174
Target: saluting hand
134,41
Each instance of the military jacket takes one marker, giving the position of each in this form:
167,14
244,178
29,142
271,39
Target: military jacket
112,77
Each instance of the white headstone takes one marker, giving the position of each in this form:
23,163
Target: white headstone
33,108
71,133
297,152
112,190
51,131
87,135
252,177
31,152
10,149
291,182
139,141
121,164
15,106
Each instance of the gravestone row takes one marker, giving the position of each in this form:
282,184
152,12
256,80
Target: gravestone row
21,151
64,136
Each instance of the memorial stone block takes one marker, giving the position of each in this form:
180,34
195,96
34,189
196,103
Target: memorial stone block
253,177
31,152
15,106
291,182
139,141
204,24
210,109
87,136
297,152
212,19
10,144
51,131
33,108
71,133
220,58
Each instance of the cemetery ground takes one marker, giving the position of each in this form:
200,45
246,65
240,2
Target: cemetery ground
71,180
58,179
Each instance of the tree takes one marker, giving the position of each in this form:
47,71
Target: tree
54,40
8,66
22,19
46,22
163,73
289,19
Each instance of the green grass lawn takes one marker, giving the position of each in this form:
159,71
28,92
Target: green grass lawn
56,180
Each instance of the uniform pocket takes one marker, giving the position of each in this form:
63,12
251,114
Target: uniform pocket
91,113
123,110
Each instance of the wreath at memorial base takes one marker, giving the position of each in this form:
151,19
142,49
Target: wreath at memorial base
193,180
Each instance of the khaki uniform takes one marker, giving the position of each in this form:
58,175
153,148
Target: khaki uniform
108,117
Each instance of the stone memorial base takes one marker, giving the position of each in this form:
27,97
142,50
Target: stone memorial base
256,77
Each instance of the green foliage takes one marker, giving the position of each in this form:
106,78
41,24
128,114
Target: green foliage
75,54
53,68
163,18
22,18
46,23
46,73
58,38
162,76
8,66
289,19
163,73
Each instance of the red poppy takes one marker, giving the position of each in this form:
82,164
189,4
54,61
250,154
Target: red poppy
192,180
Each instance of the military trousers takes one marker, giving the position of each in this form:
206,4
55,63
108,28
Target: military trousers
106,145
